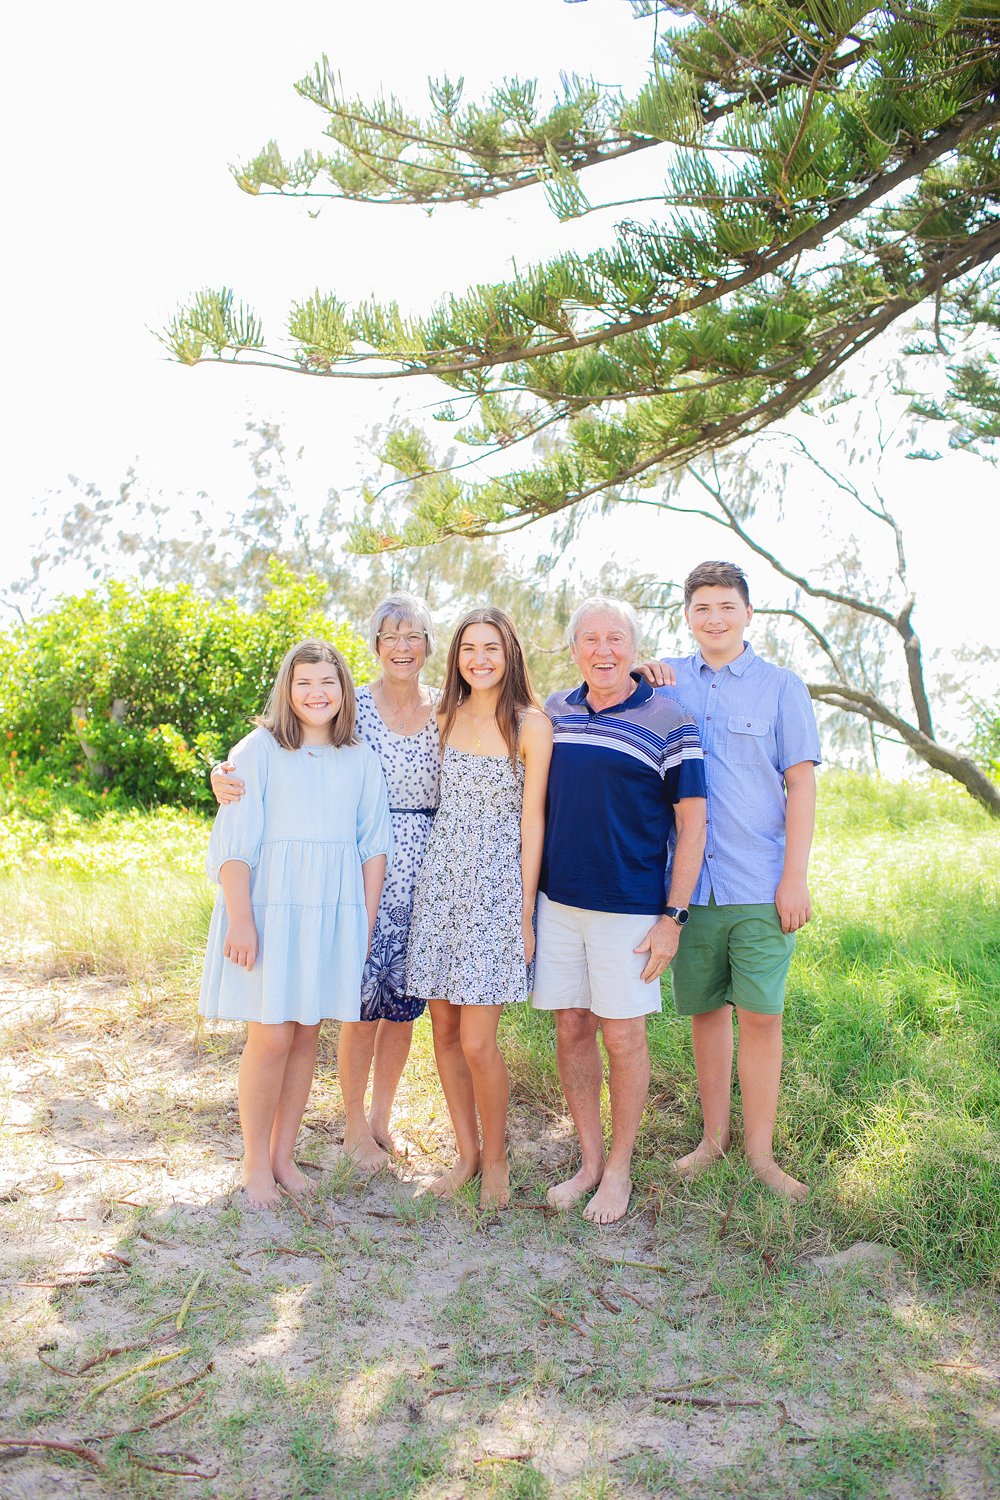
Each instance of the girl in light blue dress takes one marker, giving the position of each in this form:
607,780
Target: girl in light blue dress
300,861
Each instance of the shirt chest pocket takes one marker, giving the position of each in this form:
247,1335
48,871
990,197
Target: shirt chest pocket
748,740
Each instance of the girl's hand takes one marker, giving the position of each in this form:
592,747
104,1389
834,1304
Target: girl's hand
528,935
656,673
226,786
241,943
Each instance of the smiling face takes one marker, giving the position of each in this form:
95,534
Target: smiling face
604,651
316,695
717,618
481,659
402,650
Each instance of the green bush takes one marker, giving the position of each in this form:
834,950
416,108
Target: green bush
138,691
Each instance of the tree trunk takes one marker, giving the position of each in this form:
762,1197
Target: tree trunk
959,767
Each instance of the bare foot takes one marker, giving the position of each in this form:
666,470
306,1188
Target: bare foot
366,1154
448,1184
770,1174
393,1145
260,1189
288,1176
494,1188
563,1195
610,1202
704,1155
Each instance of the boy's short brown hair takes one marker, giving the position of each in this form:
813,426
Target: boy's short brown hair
720,575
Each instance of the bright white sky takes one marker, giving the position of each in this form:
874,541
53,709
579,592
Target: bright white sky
122,120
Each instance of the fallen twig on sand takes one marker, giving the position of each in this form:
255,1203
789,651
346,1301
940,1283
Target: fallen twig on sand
78,1278
170,1416
556,1314
76,1449
640,1265
606,1301
168,1390
724,1226
198,1473
185,1306
711,1403
147,1364
454,1390
152,1239
122,1260
505,1458
100,1359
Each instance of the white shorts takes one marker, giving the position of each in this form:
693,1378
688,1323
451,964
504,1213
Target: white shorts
584,960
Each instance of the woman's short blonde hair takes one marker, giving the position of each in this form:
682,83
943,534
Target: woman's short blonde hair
396,610
279,716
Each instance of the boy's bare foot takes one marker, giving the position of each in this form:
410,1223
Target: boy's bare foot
260,1189
610,1202
563,1195
365,1152
288,1176
494,1187
704,1155
770,1174
448,1184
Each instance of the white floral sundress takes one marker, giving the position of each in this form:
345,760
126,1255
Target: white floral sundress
466,943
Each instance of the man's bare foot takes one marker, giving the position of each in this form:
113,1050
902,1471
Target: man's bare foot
610,1202
366,1154
494,1186
704,1155
770,1174
260,1189
448,1184
288,1176
563,1195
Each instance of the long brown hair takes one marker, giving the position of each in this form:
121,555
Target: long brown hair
279,716
516,692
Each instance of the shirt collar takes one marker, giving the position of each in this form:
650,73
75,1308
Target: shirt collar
738,666
643,691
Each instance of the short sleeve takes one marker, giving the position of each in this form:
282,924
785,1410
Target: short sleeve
683,767
239,826
374,826
796,735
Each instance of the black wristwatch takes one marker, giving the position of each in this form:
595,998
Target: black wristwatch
680,914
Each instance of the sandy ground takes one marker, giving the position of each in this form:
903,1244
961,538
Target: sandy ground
376,1343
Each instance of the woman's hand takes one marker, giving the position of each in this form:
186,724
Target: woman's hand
656,673
226,786
240,946
528,937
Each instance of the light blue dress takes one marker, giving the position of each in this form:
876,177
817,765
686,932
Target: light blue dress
307,822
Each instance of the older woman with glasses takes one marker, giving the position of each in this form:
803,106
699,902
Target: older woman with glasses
396,718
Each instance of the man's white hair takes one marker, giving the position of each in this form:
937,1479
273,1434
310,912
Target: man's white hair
600,604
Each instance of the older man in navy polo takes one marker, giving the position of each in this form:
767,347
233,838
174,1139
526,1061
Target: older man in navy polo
624,840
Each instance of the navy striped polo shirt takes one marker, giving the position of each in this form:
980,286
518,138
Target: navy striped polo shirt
615,776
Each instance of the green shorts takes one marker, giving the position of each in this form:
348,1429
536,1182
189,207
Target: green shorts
732,955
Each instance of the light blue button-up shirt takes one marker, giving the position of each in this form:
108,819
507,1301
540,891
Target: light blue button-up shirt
755,720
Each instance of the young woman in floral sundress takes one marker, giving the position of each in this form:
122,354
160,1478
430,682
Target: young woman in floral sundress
471,935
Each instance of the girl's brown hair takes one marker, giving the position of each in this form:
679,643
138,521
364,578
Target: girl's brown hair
516,692
279,716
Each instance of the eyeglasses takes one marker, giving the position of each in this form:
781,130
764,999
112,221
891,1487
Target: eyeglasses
392,640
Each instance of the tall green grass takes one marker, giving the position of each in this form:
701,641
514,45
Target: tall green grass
891,1098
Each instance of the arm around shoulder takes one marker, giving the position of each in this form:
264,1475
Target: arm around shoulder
239,826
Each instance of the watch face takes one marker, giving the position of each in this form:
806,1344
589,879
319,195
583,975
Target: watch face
679,913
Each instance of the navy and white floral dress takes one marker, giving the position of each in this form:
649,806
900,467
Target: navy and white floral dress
466,943
411,764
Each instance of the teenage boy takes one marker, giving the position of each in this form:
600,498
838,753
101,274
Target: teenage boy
758,732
